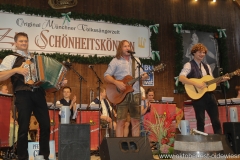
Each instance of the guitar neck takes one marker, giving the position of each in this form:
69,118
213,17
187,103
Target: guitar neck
157,68
134,80
216,80
138,78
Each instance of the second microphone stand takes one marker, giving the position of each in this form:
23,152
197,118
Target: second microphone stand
80,95
99,107
225,95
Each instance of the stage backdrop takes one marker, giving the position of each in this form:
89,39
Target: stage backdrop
191,37
75,37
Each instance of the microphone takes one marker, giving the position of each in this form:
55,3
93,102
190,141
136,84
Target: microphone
90,66
131,52
67,63
221,71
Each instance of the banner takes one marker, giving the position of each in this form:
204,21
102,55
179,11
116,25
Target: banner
150,80
50,35
33,150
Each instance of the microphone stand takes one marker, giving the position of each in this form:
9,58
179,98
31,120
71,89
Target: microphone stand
99,105
112,116
54,110
80,96
225,96
139,66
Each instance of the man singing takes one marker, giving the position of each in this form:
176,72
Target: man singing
120,67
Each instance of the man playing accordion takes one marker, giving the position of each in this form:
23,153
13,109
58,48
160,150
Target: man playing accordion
29,98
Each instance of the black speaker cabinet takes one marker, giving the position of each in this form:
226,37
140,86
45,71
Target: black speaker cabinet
74,142
232,132
227,149
125,148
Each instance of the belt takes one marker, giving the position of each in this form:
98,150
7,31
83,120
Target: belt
30,89
35,88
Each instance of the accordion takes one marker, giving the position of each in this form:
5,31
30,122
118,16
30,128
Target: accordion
45,72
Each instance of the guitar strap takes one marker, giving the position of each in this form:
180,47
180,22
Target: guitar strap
133,68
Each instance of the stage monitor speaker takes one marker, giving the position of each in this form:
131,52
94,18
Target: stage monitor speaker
125,148
232,133
74,142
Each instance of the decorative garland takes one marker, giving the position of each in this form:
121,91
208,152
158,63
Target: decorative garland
76,58
91,59
222,48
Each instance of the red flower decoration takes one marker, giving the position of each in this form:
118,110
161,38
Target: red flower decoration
169,134
164,141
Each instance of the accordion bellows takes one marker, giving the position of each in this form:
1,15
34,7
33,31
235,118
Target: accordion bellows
49,73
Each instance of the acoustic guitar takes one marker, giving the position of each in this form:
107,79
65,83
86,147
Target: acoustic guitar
116,96
196,93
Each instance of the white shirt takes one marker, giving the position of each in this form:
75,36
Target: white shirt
187,69
9,61
104,107
146,102
119,68
142,92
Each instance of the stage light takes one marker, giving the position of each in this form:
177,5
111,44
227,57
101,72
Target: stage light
195,0
214,0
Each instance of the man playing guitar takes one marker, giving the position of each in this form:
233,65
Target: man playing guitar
197,69
121,66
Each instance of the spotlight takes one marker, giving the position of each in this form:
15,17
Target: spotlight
214,0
